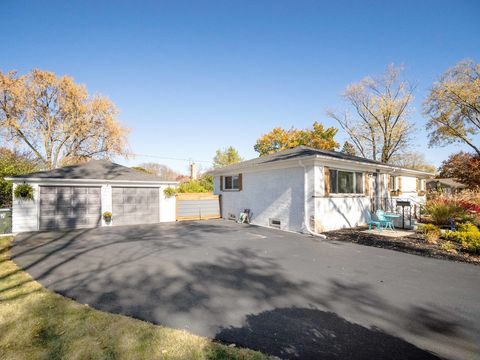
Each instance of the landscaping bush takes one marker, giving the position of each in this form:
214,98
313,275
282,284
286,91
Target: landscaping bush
441,209
463,206
192,186
430,232
202,185
468,235
448,246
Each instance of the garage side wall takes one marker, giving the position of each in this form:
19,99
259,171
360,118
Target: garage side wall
167,206
25,212
271,194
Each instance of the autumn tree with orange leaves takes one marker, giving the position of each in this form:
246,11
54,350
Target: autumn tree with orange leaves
280,139
57,120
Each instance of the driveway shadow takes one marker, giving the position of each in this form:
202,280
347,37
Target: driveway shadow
303,333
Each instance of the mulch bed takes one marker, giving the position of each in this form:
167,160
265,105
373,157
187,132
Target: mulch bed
411,244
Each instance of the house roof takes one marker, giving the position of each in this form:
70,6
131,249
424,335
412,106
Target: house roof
449,182
300,152
93,170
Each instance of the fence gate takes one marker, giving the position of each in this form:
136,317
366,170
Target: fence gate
197,206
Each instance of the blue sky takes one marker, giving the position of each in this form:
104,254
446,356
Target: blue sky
192,76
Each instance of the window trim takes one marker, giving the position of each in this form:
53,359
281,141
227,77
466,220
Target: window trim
395,182
422,184
334,192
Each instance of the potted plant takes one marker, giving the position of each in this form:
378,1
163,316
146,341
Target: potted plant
169,191
24,192
107,216
395,193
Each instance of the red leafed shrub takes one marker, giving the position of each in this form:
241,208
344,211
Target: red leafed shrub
469,206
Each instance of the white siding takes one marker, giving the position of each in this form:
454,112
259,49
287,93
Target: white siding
340,212
409,192
409,184
337,211
167,206
106,198
271,194
25,212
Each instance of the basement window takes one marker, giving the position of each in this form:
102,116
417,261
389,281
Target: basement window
275,223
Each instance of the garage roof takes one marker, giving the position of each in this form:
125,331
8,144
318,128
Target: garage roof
94,170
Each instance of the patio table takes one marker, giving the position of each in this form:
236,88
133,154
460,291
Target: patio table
390,217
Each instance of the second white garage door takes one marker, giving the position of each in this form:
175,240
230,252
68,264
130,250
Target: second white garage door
135,205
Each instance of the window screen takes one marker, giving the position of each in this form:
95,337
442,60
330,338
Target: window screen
346,182
359,183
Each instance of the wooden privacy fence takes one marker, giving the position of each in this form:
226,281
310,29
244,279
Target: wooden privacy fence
197,206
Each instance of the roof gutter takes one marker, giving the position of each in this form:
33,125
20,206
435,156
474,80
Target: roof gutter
381,166
103,181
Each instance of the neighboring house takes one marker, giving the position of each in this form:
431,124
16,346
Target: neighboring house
449,186
304,189
77,196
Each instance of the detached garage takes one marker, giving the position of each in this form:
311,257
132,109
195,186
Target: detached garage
77,196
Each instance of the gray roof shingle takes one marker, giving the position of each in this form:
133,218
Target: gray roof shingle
453,183
298,153
95,170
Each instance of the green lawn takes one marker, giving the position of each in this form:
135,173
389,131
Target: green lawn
36,323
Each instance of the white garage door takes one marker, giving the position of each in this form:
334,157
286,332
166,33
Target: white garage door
135,205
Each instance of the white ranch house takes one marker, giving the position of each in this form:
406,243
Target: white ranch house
309,190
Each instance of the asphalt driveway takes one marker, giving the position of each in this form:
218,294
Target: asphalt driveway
285,294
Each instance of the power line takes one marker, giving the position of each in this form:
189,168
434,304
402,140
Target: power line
170,158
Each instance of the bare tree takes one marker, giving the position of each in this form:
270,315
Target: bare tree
453,106
162,171
379,128
413,160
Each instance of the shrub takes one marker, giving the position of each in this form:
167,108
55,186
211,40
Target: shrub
448,246
430,232
468,235
169,191
24,191
192,186
441,210
467,227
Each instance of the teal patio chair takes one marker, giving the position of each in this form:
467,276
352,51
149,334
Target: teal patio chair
371,222
384,221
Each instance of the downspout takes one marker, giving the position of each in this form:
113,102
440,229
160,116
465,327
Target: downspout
305,199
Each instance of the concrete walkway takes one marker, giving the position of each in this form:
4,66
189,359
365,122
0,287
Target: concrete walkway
288,295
